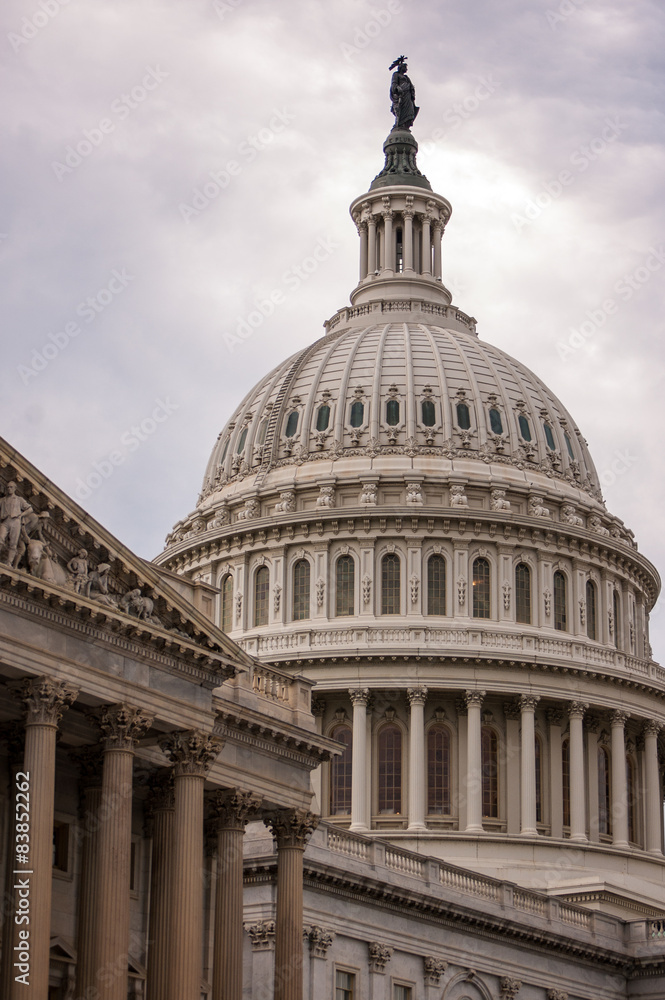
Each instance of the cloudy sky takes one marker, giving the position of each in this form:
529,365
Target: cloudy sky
165,167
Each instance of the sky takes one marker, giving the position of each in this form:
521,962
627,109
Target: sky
166,168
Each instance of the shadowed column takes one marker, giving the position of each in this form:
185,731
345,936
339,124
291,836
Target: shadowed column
121,726
192,753
653,841
161,813
232,809
360,698
417,698
577,794
291,829
44,702
619,783
474,771
89,760
528,767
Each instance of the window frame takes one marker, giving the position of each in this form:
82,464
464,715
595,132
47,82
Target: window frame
308,616
382,728
443,599
226,578
527,602
475,589
349,970
334,729
559,574
265,598
497,776
352,562
396,557
447,793
591,601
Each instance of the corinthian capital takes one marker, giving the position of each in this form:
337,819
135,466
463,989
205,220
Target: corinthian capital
510,988
232,807
44,700
359,696
292,827
474,698
618,717
576,709
121,725
417,696
191,752
528,702
652,728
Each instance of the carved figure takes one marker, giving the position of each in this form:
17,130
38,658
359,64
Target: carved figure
98,585
369,494
326,497
286,503
402,96
458,497
12,510
597,526
78,569
498,500
250,510
569,515
133,603
414,493
536,508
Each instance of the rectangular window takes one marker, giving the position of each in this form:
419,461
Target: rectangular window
401,992
345,985
61,846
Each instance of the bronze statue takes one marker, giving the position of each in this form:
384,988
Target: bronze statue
402,95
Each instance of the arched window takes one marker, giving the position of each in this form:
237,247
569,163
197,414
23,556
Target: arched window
549,437
539,779
495,421
390,769
525,427
323,417
340,772
560,603
261,594
489,749
241,441
261,436
357,413
292,423
569,447
436,585
523,594
392,412
604,812
591,613
438,771
428,410
463,417
227,603
390,584
301,590
630,800
565,780
616,605
345,570
481,588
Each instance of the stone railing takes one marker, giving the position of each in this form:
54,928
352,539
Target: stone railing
432,871
427,640
273,684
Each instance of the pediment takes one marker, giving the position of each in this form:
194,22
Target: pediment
63,557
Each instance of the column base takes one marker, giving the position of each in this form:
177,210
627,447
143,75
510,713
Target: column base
579,838
655,852
358,828
529,833
623,844
474,828
415,827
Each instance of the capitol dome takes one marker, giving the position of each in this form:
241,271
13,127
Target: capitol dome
409,517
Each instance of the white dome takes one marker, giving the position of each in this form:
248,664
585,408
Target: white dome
434,395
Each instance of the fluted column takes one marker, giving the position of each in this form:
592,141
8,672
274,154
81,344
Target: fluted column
408,240
474,771
362,229
359,819
44,702
426,262
291,829
14,736
528,766
619,783
121,726
653,841
161,816
438,233
371,245
389,245
232,809
192,753
577,794
89,759
554,720
417,698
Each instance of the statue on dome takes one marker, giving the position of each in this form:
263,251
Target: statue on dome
402,95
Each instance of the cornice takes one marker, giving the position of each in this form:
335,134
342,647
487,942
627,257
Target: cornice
307,749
